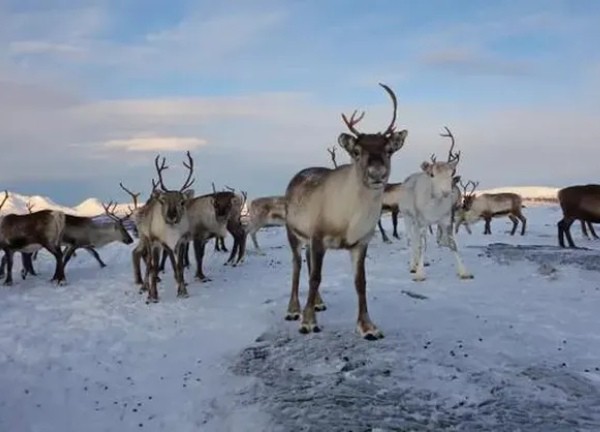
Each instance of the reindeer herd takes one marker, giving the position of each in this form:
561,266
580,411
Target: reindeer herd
322,208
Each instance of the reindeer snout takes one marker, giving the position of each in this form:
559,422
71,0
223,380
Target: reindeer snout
377,174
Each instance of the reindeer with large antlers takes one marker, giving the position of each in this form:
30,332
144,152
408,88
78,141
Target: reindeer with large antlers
84,232
163,223
338,209
30,232
429,199
488,206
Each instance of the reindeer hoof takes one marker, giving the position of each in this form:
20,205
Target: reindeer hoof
151,300
466,276
292,316
203,279
183,295
369,332
307,328
418,278
320,307
370,336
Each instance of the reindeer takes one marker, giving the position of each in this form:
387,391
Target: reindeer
26,258
163,223
30,232
338,209
219,241
487,206
262,212
429,199
84,232
577,202
209,217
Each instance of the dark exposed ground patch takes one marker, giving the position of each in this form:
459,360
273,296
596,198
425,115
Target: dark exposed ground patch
588,259
334,381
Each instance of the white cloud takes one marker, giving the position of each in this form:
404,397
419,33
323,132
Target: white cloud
43,47
156,143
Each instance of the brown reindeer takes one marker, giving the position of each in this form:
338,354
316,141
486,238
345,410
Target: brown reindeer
487,206
26,258
338,209
163,224
30,232
577,202
262,212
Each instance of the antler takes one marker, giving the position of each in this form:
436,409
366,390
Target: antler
391,127
4,200
30,206
213,187
433,158
159,169
451,156
110,212
230,189
133,195
466,186
190,166
331,151
353,121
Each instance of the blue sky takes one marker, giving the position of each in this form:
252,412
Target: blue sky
92,90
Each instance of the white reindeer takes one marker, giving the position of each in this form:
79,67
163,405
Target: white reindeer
430,198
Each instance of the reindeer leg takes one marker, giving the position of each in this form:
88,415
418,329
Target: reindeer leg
395,223
309,318
27,264
293,311
154,261
255,242
96,255
568,233
199,246
365,326
136,256
319,303
383,234
460,267
223,247
515,222
177,263
242,245
420,245
8,254
592,230
163,261
59,272
3,265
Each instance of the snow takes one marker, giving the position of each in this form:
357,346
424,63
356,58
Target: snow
516,348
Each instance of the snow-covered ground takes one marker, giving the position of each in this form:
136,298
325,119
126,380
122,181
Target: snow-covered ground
516,348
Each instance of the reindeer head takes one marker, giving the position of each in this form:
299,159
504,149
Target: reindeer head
119,225
442,174
223,204
372,152
173,202
468,191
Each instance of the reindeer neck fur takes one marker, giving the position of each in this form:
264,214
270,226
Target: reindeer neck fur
168,235
203,218
341,209
432,206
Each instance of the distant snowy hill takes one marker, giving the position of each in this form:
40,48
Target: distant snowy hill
92,207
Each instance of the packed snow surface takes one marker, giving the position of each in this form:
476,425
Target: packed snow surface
515,349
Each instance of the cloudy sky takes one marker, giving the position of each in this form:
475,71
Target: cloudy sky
91,91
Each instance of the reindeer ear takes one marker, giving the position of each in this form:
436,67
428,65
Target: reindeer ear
189,194
455,180
396,140
427,167
349,143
